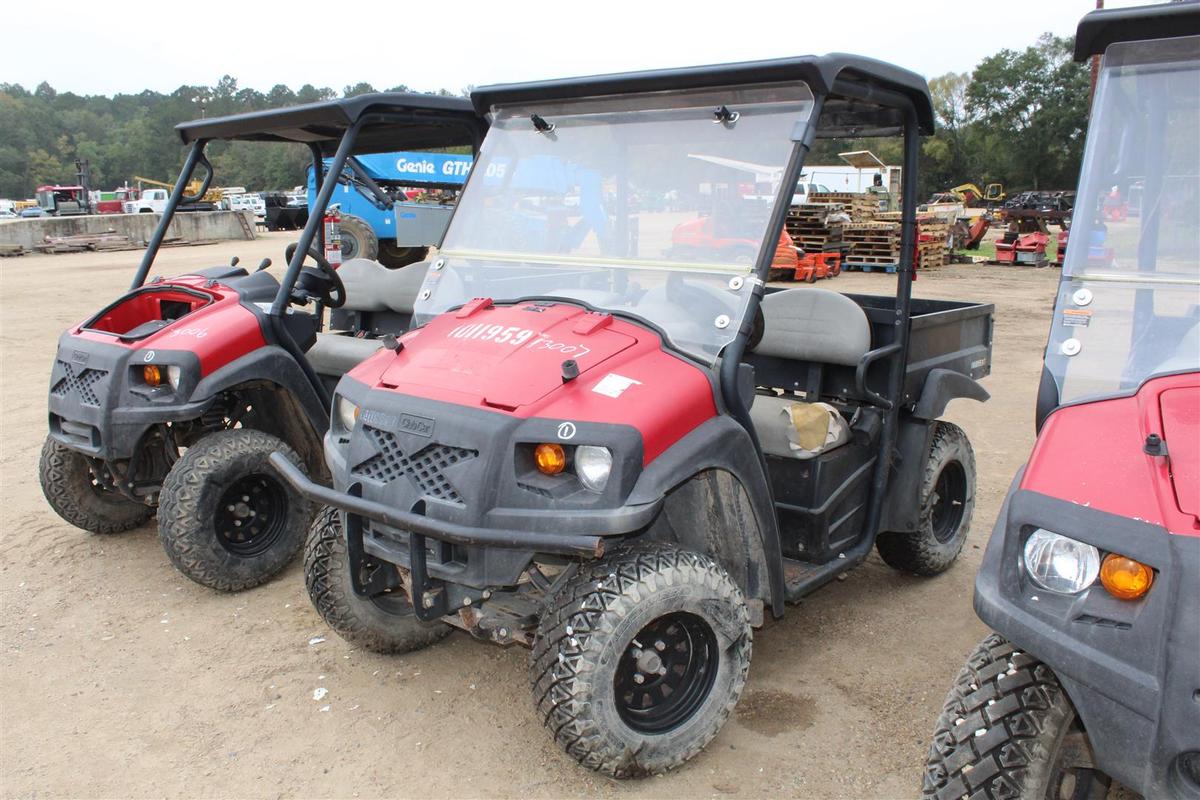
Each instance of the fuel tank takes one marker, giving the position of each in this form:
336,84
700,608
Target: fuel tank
514,359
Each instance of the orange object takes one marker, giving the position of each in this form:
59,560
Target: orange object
152,375
551,459
785,256
1125,578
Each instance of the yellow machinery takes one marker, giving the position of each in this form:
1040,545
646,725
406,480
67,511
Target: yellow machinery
970,195
211,196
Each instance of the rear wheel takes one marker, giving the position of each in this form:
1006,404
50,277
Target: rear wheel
83,495
1009,730
384,624
226,519
358,240
947,500
640,658
393,256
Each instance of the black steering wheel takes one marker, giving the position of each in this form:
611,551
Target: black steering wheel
323,283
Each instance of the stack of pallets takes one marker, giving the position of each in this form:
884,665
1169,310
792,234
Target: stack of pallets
873,246
861,207
107,240
816,227
933,234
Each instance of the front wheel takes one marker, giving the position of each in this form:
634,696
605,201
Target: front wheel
947,500
1008,729
226,519
383,624
358,240
640,658
83,495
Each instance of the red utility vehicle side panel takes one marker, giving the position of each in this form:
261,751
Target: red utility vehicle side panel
220,332
1092,454
509,359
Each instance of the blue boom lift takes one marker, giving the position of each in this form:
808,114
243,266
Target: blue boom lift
378,221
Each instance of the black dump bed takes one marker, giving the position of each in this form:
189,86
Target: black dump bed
944,334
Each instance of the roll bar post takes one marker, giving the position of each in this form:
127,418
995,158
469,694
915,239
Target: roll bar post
195,157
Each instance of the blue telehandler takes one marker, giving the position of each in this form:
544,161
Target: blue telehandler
394,206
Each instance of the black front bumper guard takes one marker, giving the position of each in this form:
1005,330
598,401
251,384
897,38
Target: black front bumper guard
572,544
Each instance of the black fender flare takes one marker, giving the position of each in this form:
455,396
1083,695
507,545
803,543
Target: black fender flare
720,444
943,385
275,366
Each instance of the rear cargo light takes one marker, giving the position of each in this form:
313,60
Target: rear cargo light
1125,578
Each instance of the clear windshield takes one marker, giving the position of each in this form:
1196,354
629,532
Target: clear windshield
1127,305
642,205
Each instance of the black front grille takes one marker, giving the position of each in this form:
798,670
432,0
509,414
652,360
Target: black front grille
80,382
423,467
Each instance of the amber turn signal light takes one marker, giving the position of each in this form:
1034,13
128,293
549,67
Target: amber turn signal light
152,375
551,459
1125,578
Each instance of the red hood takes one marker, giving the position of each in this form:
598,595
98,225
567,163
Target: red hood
504,357
510,359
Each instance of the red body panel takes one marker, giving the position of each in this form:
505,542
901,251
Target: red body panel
1092,454
217,332
509,359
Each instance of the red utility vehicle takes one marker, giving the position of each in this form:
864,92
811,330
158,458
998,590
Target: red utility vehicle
1091,578
625,456
170,399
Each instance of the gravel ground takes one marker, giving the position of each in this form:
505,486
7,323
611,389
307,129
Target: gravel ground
122,678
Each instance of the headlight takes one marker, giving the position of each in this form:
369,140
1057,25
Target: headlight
347,413
1060,564
173,376
593,466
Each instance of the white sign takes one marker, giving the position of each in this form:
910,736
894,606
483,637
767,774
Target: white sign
612,385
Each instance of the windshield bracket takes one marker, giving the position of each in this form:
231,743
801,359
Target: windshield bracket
723,115
540,125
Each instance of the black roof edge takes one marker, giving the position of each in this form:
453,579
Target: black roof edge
1099,29
326,119
820,72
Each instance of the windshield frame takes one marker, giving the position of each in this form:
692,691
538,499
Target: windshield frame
1082,366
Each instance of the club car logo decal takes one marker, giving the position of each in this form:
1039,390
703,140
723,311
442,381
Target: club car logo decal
516,337
421,426
566,431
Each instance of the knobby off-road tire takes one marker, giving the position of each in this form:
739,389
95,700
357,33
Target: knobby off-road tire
585,657
222,480
386,625
358,240
947,502
1008,730
72,491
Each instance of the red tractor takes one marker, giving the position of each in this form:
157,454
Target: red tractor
628,458
1091,579
169,399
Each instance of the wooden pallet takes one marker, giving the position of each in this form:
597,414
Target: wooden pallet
9,250
860,207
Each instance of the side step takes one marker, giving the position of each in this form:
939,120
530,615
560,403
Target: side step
801,578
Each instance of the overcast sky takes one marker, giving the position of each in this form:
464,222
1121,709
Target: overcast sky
106,47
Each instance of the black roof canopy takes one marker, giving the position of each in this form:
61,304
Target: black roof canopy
1101,28
391,121
864,96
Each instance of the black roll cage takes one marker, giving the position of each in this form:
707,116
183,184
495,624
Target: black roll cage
364,124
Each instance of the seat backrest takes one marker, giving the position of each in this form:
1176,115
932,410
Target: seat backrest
814,325
370,286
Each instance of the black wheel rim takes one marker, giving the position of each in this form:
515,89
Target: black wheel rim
252,515
948,501
666,673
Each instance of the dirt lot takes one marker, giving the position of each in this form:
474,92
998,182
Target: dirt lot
122,678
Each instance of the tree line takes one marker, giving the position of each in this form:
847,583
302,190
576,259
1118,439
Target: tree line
1018,118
